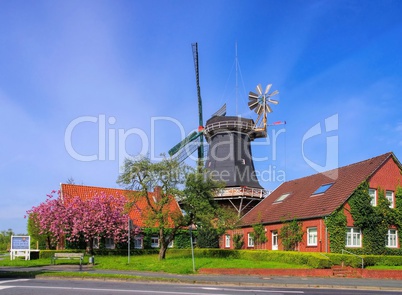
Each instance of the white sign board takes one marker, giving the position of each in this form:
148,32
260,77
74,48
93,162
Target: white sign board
20,247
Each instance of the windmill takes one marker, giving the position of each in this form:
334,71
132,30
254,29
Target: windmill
229,157
259,102
195,140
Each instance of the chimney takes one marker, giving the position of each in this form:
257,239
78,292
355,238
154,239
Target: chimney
157,193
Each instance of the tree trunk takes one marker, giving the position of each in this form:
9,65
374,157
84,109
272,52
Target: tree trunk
162,251
90,246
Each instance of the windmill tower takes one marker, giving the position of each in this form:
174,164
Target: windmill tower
229,158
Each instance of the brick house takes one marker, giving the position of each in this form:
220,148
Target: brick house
136,214
311,200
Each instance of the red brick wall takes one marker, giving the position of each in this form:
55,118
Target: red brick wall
387,177
322,242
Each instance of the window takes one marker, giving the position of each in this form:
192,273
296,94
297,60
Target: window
312,236
227,241
353,237
389,195
322,189
373,196
95,243
250,240
109,243
154,242
274,240
171,244
138,242
281,198
392,238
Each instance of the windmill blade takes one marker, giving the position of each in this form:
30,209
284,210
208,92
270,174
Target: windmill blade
273,93
191,137
259,89
187,151
268,109
253,104
273,101
252,95
260,109
220,112
267,89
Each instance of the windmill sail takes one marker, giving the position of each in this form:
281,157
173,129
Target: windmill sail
220,112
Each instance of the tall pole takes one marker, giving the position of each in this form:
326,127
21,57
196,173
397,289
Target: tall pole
128,240
237,87
192,246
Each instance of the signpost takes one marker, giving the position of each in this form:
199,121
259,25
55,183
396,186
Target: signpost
20,247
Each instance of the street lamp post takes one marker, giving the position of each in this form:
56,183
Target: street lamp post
192,246
128,239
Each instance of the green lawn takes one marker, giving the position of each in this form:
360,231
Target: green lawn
179,265
182,265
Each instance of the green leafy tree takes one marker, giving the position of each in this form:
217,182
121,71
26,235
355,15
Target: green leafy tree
207,237
196,199
37,239
238,241
336,224
398,209
258,235
5,239
291,235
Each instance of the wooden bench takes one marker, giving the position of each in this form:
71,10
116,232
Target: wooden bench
79,256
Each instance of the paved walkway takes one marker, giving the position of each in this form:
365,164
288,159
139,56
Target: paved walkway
239,280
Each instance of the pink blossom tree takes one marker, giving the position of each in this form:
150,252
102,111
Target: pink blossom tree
50,220
98,216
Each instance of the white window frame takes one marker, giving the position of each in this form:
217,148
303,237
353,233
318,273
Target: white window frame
392,238
312,236
274,239
95,243
109,243
353,237
227,241
389,195
154,242
250,240
373,196
138,243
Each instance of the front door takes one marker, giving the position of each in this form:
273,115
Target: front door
274,240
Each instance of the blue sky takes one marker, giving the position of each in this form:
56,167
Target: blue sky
110,78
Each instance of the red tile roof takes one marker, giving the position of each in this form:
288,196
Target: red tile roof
301,204
137,212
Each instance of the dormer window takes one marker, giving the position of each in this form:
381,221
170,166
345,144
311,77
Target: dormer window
281,198
322,189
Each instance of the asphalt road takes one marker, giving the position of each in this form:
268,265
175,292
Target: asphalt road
370,286
89,287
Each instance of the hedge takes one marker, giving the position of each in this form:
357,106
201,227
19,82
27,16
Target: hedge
310,259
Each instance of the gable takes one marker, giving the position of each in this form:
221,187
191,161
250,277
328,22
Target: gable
303,203
388,176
